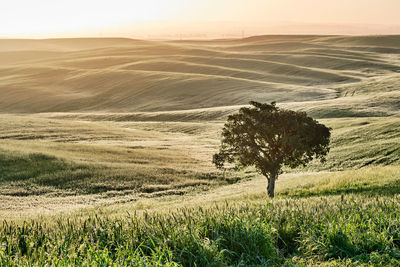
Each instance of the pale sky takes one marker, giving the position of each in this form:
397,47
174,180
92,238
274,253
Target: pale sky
62,18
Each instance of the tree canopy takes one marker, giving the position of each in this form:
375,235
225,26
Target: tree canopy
268,138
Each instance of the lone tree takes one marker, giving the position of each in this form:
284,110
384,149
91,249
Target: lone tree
268,138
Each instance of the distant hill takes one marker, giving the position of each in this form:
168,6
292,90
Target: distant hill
125,75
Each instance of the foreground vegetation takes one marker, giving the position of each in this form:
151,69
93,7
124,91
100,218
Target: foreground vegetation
351,230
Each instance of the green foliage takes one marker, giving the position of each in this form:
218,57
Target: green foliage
188,238
269,138
352,230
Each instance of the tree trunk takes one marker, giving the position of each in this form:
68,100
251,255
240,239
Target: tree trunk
271,186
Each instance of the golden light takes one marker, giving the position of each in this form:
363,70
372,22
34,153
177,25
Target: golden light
54,18
27,17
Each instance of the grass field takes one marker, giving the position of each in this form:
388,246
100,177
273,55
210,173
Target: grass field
106,147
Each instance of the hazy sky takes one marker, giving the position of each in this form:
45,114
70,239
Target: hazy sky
53,18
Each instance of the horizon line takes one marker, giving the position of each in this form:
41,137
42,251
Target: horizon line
199,39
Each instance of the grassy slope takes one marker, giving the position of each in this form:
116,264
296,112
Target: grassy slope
114,154
244,229
108,162
105,157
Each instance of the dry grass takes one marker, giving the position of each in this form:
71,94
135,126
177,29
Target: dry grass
70,164
122,75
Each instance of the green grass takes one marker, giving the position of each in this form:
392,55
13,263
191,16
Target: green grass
361,142
156,157
356,230
40,156
22,168
345,212
371,181
36,174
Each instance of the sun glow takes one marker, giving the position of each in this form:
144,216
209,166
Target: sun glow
61,18
43,17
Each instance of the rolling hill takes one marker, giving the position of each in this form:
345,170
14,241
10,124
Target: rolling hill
125,75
